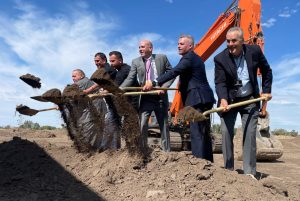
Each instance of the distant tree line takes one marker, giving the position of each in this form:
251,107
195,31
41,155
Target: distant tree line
32,125
216,129
35,126
281,131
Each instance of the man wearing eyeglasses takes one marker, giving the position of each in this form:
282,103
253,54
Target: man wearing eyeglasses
236,80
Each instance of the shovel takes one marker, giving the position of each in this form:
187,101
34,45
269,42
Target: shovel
40,98
133,93
140,88
22,109
190,114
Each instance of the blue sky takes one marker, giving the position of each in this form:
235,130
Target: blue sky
50,38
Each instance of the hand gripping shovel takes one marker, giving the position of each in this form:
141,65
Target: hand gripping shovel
23,109
190,114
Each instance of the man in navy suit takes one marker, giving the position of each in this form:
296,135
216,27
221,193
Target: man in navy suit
158,64
236,80
123,69
195,92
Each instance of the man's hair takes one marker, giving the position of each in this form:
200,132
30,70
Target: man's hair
81,72
101,55
191,38
117,54
239,30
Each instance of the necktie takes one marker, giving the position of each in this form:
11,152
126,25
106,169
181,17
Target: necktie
148,69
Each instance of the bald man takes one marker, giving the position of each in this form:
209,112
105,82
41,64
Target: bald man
148,67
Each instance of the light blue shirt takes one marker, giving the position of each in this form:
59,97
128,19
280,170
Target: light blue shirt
243,75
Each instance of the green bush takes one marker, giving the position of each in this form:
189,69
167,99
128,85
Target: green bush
282,131
35,126
47,128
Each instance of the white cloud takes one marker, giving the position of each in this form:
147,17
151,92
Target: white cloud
287,12
270,22
169,1
50,46
285,106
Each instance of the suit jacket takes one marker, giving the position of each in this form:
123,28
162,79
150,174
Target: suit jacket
138,71
111,71
122,74
226,72
194,86
85,83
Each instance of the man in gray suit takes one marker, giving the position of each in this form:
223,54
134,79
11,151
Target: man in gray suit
147,68
236,80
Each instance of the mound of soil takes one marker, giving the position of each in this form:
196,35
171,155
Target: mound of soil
31,80
41,168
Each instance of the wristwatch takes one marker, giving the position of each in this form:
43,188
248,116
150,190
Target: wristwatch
154,84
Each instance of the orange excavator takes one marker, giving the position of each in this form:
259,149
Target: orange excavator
242,13
246,15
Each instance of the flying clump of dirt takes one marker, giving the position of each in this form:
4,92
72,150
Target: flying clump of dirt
25,110
31,80
130,124
72,92
84,124
53,95
102,78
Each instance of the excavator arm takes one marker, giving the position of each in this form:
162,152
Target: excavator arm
242,13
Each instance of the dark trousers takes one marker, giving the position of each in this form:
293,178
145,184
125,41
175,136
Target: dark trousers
160,108
201,142
249,115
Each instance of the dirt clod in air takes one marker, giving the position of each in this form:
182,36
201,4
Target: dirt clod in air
72,92
130,125
102,78
53,95
31,80
84,119
25,110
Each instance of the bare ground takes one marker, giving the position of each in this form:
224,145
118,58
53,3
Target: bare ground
44,165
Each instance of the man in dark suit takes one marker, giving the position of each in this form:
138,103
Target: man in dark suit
123,69
112,120
236,80
195,92
147,68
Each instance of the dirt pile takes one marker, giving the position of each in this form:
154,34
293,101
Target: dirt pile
49,170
